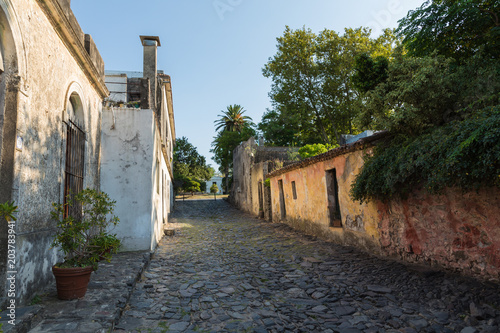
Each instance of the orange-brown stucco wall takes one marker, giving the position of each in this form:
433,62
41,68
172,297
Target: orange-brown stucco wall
309,212
456,230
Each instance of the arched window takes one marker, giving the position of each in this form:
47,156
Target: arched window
75,154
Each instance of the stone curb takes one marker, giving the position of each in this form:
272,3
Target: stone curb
108,292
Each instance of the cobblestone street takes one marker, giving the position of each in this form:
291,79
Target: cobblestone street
226,271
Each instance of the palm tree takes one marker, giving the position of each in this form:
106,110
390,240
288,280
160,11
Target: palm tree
233,119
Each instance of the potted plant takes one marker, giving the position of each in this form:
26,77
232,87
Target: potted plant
84,238
108,245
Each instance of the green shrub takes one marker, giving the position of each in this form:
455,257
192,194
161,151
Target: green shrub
463,154
85,240
315,149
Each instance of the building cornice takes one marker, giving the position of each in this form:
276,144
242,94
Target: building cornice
170,105
74,44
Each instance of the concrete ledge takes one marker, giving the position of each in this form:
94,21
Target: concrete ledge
169,231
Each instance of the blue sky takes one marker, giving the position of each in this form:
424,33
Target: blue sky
214,50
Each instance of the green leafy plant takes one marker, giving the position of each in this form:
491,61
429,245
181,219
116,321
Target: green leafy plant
108,244
36,300
463,154
214,189
315,149
85,240
7,210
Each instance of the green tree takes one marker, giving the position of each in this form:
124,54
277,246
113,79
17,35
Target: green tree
188,163
214,189
440,103
314,149
454,28
232,119
369,72
312,86
191,186
226,141
417,94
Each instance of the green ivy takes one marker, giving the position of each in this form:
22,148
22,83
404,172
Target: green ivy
463,154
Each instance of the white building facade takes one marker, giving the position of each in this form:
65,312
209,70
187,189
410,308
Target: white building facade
137,147
217,180
51,93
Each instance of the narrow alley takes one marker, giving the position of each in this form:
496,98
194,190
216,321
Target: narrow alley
226,271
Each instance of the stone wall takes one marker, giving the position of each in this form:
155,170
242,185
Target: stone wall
45,64
456,230
241,191
308,210
251,162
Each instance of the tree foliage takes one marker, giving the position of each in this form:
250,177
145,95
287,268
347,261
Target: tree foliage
188,163
214,189
228,138
369,72
232,119
440,102
312,91
454,28
465,154
417,94
314,149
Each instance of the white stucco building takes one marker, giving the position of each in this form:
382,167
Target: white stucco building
137,149
51,93
215,180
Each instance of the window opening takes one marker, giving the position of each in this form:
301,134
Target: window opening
282,199
74,169
333,198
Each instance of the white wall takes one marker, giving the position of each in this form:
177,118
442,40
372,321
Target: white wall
127,173
216,179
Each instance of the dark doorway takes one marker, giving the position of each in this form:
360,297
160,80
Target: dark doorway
333,198
282,199
261,200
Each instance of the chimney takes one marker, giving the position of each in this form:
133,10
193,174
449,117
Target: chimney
150,44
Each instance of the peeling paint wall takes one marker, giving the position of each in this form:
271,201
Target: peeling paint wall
456,230
134,172
40,75
309,211
127,172
250,163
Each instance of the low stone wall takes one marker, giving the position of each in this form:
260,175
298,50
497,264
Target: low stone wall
456,230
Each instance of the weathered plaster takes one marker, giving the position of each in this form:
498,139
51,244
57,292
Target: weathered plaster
43,70
309,212
455,230
126,172
250,163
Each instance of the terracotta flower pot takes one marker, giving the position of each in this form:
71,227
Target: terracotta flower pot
72,282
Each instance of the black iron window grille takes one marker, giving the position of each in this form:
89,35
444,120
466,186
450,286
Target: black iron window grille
74,169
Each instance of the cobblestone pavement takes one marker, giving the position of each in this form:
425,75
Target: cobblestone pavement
107,294
225,271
